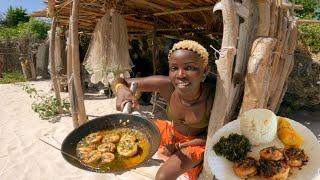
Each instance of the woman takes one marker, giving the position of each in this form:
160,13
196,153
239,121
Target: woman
189,105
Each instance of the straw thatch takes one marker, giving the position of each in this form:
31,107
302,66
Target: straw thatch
140,15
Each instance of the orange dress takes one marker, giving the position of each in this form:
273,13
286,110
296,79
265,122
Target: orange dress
196,152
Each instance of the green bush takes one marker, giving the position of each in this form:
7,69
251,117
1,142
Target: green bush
310,35
12,77
32,29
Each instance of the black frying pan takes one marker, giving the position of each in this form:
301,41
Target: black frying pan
110,122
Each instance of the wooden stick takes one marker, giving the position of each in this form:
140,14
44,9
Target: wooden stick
63,4
290,5
52,63
51,10
156,6
33,70
308,21
286,65
207,8
82,118
71,88
264,18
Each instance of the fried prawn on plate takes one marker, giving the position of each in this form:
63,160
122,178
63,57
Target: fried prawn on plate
245,168
296,157
271,153
273,170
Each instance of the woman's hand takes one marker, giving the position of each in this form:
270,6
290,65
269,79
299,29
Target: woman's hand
124,95
169,149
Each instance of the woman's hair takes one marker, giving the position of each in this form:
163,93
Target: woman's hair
191,46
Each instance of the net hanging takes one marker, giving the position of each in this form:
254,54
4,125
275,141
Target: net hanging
108,52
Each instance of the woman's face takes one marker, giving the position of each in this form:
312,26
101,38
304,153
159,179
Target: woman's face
186,71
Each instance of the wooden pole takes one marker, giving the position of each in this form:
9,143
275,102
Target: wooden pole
154,56
52,63
51,9
246,29
82,118
224,68
71,89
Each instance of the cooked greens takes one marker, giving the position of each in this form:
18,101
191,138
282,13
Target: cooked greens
234,148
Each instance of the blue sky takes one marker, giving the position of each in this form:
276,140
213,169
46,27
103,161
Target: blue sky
30,5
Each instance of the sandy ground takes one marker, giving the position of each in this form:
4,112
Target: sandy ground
24,157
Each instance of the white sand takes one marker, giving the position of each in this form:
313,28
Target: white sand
23,156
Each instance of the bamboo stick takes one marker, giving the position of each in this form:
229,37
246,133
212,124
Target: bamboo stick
82,118
52,63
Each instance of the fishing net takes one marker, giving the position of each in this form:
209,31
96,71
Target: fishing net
58,59
108,52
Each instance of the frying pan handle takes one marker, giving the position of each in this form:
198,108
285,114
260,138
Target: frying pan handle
128,106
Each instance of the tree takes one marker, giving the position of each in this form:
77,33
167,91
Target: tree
309,8
14,16
1,20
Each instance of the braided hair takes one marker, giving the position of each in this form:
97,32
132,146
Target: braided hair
191,46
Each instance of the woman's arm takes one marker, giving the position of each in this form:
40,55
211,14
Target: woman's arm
172,148
194,142
161,84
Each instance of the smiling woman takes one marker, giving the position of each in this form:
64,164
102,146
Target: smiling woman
189,105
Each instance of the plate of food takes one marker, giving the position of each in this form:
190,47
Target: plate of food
260,145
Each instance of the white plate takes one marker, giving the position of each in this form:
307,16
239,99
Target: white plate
222,168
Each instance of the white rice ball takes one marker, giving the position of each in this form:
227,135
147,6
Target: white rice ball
259,126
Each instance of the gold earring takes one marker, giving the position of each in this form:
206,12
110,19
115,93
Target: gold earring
203,77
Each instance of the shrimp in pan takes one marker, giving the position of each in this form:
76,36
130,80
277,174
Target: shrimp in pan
94,137
107,157
107,147
92,157
111,138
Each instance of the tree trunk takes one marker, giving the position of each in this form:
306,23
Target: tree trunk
52,63
224,68
82,118
70,81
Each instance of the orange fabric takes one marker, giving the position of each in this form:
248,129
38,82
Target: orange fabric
196,152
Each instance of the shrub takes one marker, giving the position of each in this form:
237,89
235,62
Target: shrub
32,29
310,35
12,77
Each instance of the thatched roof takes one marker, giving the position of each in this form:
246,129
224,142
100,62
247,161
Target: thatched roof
141,15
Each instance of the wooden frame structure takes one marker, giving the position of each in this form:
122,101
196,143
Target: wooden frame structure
256,56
